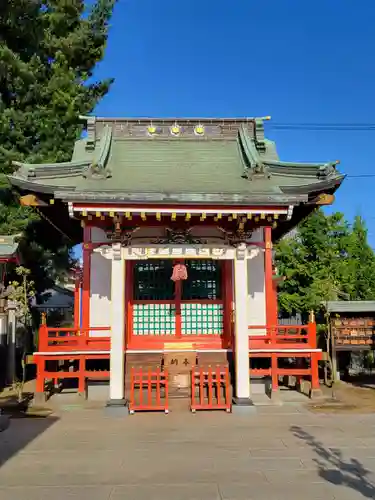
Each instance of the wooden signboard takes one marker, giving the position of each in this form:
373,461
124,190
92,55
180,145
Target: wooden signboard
179,366
358,332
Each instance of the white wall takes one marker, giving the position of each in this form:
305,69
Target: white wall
100,287
256,301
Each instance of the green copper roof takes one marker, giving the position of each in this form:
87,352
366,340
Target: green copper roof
202,160
8,246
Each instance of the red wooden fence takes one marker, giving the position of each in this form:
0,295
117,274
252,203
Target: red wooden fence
210,389
148,390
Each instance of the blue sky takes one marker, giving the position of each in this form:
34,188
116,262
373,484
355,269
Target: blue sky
296,60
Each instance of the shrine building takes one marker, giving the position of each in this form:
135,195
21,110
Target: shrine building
177,218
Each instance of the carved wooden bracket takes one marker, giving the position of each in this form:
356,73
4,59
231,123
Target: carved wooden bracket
179,237
121,234
236,236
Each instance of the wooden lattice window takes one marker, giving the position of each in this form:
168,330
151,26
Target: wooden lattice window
204,280
152,280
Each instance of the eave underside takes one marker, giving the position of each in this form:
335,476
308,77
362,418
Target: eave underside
57,216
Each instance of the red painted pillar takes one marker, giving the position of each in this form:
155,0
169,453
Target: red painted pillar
81,377
271,301
86,279
39,387
128,302
311,333
274,297
40,361
77,305
274,373
315,385
227,287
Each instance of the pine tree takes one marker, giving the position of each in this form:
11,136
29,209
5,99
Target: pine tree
48,52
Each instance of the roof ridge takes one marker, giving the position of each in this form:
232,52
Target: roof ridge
243,119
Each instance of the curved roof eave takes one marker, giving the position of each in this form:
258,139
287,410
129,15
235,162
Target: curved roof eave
330,184
26,185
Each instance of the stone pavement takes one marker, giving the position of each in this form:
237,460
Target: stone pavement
279,453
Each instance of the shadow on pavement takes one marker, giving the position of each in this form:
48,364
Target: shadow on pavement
22,428
335,469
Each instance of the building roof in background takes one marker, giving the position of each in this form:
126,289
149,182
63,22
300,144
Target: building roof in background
202,160
351,306
56,297
8,246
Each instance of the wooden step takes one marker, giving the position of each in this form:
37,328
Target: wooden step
213,359
143,359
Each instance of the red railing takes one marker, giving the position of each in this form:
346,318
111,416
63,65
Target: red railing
210,389
284,336
72,339
292,370
310,369
148,390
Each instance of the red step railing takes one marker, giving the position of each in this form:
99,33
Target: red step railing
72,339
146,390
210,389
282,335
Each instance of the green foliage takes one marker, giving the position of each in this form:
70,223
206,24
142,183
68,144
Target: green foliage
48,52
21,292
361,263
44,77
326,259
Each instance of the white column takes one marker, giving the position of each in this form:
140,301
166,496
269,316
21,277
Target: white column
241,331
117,375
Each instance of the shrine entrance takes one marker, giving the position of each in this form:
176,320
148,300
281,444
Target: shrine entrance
162,310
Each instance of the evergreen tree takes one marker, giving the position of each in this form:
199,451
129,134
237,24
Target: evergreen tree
326,259
48,52
361,268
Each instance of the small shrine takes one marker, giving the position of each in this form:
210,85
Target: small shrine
177,218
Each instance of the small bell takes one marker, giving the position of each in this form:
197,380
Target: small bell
179,272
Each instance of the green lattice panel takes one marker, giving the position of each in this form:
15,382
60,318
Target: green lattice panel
202,319
154,319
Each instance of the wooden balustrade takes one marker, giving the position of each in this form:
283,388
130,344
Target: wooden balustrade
284,336
72,339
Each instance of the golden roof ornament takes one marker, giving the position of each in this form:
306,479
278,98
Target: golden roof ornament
199,130
151,129
175,130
